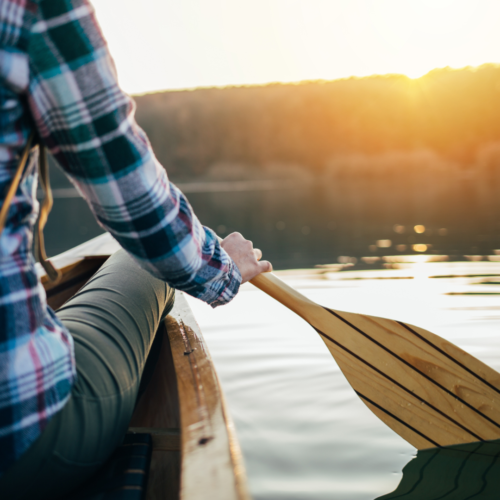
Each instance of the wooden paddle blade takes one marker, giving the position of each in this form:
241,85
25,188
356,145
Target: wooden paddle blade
423,387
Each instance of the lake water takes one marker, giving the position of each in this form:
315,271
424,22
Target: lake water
304,224
305,434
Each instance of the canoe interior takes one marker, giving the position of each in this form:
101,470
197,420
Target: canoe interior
158,414
196,455
74,277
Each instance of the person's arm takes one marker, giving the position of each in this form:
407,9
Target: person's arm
88,124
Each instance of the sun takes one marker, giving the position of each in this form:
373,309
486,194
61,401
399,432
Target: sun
416,73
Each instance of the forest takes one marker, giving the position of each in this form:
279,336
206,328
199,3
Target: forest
453,114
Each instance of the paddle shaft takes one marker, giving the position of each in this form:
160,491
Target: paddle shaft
269,283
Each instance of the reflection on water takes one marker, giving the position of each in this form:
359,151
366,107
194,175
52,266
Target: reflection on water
301,224
304,432
456,472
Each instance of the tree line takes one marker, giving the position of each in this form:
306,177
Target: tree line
455,114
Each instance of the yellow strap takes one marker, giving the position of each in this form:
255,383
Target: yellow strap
15,183
52,273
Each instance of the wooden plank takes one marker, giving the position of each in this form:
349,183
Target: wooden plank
74,277
478,367
159,405
456,370
211,461
77,266
394,405
416,384
100,246
235,451
164,475
158,411
163,439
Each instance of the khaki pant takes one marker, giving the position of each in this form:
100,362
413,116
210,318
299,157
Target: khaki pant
113,321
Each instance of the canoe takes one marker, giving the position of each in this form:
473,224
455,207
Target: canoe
195,454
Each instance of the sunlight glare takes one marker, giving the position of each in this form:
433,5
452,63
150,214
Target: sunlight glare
158,45
420,247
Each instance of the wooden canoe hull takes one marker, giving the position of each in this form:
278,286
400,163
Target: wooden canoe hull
195,450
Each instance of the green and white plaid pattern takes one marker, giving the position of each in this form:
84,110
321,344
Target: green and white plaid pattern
57,76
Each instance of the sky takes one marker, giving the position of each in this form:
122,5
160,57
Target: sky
166,45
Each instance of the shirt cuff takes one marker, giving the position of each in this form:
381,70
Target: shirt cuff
230,286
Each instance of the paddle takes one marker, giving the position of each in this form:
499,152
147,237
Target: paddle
423,387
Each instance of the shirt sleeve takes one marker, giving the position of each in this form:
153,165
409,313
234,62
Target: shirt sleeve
88,124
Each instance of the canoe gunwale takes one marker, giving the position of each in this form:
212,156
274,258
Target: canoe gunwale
211,457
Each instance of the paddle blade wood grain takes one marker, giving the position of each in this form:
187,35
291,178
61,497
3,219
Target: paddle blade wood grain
423,387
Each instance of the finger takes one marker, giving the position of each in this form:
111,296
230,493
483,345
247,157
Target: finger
258,253
265,266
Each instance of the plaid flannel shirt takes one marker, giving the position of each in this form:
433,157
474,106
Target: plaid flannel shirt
57,76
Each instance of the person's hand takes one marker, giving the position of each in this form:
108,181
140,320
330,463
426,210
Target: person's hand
245,256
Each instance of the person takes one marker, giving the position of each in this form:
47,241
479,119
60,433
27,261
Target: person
69,380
